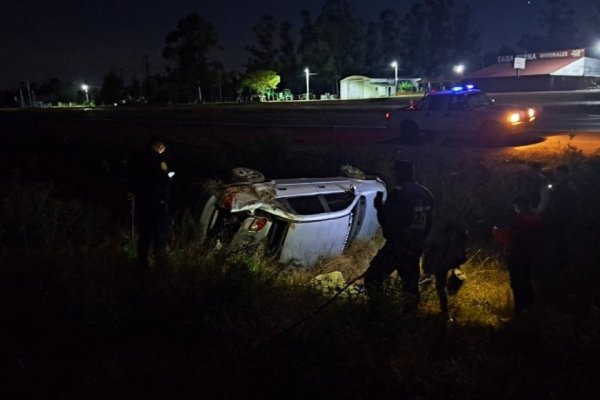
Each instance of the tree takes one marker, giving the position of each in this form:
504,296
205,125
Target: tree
334,44
287,60
261,81
436,37
264,55
188,47
135,89
559,29
113,89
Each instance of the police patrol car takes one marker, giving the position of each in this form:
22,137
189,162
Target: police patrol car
462,110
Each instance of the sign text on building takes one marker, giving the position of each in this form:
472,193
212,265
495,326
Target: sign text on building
574,53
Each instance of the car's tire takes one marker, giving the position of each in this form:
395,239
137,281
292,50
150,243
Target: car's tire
409,131
247,175
491,134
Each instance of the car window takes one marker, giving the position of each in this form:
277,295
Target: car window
458,103
305,205
479,100
339,201
436,103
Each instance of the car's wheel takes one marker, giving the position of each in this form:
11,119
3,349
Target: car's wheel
247,175
491,134
409,131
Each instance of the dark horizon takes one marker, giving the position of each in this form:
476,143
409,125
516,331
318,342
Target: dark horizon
82,42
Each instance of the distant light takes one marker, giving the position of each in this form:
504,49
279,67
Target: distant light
306,70
394,64
459,69
84,87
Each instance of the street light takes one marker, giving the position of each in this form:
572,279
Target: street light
459,69
307,72
395,66
85,88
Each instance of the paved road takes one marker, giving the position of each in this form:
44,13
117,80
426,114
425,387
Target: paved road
552,119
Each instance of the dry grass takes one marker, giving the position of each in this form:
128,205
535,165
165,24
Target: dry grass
80,321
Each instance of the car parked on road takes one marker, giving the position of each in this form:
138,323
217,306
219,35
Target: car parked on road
463,110
295,221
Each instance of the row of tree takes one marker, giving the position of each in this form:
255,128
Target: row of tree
425,42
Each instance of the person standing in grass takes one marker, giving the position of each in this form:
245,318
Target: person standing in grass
149,180
523,242
405,218
559,211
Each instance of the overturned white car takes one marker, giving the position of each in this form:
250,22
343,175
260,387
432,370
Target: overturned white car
296,221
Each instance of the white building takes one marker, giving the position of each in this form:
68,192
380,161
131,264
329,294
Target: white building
363,87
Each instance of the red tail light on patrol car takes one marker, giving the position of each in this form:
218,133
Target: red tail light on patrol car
387,116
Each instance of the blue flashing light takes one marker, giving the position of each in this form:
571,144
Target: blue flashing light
469,87
457,88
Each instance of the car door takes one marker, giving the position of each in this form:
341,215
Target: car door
460,114
437,117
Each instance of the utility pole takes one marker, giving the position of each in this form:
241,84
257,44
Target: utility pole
147,81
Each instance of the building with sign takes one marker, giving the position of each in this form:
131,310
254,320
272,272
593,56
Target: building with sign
552,70
363,87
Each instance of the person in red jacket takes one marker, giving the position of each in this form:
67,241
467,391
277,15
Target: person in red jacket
523,240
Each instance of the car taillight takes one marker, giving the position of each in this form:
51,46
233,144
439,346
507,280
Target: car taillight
226,201
531,113
514,118
387,116
257,225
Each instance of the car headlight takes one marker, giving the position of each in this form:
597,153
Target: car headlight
514,118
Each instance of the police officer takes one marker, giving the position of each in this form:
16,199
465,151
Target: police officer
405,219
560,213
149,179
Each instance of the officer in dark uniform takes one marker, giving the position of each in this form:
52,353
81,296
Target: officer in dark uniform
149,179
560,214
405,219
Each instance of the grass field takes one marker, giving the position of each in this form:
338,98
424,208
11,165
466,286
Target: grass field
78,322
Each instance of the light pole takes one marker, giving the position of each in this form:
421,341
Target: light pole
395,66
307,72
86,88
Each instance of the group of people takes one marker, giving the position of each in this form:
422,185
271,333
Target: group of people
542,217
543,214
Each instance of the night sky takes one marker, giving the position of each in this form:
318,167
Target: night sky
80,40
